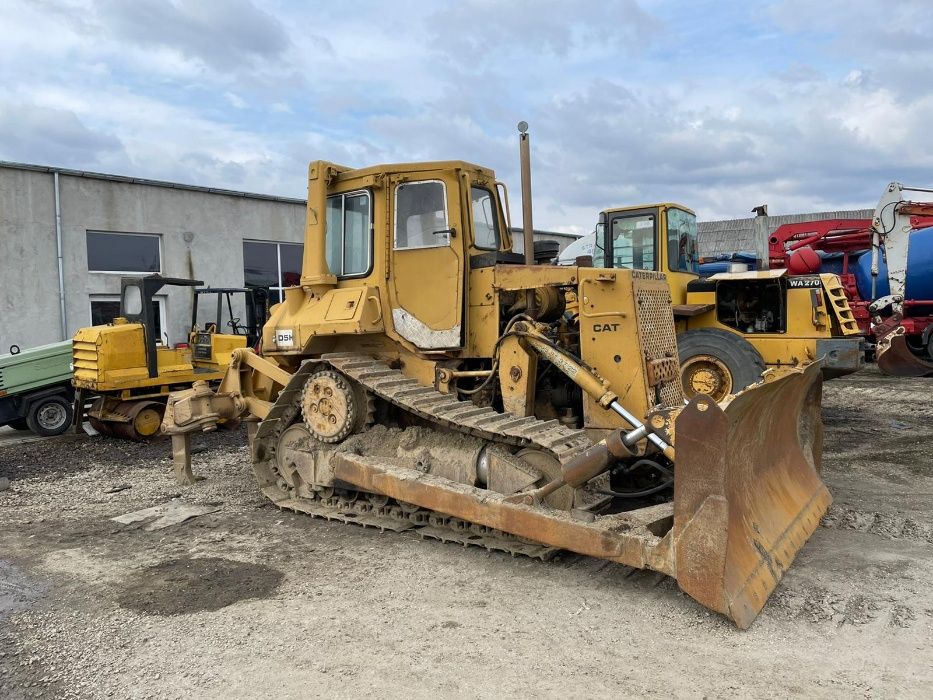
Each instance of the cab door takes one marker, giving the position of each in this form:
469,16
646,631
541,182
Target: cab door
427,266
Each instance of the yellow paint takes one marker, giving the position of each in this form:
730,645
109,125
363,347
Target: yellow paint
112,359
804,323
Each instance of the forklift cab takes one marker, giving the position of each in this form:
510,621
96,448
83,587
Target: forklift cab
136,296
222,321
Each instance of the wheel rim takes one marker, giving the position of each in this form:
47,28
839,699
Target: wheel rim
705,374
147,422
51,416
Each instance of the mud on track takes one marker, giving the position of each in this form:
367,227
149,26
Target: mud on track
252,602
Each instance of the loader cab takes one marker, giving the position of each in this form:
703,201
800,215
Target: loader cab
659,237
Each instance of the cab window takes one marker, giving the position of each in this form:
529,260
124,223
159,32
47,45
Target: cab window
633,242
485,221
682,241
421,215
349,234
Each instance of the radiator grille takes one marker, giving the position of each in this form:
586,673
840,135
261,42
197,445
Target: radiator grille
84,358
658,335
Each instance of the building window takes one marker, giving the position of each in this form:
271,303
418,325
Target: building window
105,308
123,252
349,234
272,265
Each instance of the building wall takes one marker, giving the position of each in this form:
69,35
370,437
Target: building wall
201,235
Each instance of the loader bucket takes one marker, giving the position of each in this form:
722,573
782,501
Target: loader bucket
747,493
896,359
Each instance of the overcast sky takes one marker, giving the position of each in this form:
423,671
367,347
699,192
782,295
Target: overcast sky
805,105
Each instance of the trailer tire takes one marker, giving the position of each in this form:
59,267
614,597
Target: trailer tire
717,363
50,415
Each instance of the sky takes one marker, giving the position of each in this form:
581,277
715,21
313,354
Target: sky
722,106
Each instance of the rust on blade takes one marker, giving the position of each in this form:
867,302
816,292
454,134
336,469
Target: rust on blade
896,359
748,493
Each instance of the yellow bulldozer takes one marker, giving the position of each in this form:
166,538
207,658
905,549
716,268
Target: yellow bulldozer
128,369
425,378
731,326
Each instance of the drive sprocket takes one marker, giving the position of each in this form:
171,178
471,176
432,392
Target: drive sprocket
329,406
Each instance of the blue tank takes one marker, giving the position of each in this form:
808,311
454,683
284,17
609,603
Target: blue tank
711,268
831,262
919,269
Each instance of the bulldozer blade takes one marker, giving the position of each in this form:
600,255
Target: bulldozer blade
895,358
747,492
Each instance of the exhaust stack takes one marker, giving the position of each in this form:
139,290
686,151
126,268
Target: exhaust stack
524,149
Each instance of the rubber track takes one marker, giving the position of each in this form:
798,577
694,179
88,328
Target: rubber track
432,406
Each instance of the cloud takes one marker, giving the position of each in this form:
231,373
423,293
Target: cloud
801,105
224,34
478,31
235,100
48,135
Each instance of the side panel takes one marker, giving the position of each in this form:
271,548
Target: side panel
35,368
483,314
625,322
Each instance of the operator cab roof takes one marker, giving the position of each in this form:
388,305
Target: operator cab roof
414,168
636,207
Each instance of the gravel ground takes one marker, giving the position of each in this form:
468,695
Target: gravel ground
249,601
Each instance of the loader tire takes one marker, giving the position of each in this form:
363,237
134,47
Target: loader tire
50,415
717,363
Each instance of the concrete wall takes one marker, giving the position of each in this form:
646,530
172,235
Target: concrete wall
29,302
216,224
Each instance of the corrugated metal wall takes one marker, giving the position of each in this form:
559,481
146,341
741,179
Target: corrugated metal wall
731,235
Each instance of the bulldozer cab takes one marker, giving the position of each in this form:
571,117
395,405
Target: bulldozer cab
403,238
136,306
444,224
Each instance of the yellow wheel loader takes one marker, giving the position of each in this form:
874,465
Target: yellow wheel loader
732,325
131,372
424,378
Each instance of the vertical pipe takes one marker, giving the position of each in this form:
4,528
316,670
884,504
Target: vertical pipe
61,264
524,149
315,275
527,227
